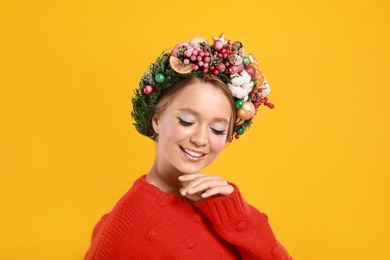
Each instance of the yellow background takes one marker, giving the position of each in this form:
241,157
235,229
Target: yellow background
318,164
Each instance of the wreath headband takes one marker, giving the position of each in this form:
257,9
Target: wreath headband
224,59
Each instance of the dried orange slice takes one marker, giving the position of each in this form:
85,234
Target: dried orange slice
197,40
178,66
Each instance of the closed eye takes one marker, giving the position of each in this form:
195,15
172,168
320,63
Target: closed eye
218,132
185,123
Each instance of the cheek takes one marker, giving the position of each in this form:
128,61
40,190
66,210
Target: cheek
175,132
218,144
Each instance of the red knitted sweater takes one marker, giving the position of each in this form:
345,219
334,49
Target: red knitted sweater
147,223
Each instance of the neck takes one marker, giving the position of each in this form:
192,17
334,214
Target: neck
166,180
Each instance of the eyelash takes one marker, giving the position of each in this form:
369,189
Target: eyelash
217,132
185,123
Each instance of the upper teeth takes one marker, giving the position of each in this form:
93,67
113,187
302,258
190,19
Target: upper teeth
193,153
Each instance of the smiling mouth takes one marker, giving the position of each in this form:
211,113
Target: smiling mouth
192,153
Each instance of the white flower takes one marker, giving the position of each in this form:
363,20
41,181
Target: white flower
241,85
238,92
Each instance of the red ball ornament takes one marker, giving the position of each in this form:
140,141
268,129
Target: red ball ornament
251,70
218,44
220,67
233,69
240,67
148,90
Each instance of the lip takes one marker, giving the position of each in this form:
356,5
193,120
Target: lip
192,157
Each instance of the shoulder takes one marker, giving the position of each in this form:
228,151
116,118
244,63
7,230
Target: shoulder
126,223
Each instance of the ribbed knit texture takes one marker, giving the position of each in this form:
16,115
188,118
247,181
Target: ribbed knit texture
147,224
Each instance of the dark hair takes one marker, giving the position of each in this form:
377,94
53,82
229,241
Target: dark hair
168,94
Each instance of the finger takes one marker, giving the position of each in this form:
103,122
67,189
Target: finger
201,179
193,197
218,190
205,185
190,177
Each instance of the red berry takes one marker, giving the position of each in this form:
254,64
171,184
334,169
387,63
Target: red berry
211,75
227,63
223,50
215,72
270,105
225,55
212,68
205,70
220,55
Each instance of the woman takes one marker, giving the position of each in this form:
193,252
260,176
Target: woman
191,102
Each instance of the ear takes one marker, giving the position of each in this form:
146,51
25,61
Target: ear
155,123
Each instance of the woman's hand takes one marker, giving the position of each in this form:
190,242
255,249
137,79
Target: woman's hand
199,186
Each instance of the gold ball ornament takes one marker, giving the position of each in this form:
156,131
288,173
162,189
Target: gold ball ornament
247,111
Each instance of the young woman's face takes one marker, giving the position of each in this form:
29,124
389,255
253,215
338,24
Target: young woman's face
193,128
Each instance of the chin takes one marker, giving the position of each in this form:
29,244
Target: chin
191,170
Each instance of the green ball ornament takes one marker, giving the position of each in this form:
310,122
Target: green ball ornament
159,78
239,103
240,130
245,61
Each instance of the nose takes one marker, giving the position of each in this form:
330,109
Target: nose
199,136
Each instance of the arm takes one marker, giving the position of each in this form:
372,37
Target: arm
234,220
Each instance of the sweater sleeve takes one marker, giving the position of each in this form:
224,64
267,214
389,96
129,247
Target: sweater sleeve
242,225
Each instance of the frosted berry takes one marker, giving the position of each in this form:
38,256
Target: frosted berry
148,90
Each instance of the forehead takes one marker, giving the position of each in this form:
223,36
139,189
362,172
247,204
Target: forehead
203,97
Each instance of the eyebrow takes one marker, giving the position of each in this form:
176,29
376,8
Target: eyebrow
196,113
